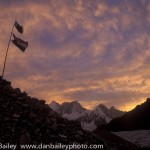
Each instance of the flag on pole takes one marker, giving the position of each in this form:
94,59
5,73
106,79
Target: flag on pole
18,27
22,45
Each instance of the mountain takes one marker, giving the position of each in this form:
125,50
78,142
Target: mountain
89,119
71,110
136,119
100,116
55,106
115,112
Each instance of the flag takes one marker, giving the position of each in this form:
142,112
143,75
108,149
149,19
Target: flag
18,27
22,45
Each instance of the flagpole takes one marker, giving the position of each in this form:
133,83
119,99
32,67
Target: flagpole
7,51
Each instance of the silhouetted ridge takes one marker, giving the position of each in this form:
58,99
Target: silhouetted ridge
26,120
136,119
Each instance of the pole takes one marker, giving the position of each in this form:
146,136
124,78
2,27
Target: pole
7,51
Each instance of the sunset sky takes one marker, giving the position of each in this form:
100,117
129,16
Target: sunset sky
92,51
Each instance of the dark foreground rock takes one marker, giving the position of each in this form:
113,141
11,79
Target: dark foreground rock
26,120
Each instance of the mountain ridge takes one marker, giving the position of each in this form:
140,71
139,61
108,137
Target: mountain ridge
89,119
136,119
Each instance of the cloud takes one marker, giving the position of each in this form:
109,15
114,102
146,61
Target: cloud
94,52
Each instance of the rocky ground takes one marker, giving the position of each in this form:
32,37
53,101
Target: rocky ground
27,120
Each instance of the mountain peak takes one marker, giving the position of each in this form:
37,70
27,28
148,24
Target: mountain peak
75,102
71,103
54,105
54,102
70,107
112,108
102,106
89,119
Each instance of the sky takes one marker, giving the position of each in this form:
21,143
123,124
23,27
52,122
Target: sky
91,51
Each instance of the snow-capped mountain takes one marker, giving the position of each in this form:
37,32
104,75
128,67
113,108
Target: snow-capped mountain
55,106
71,107
89,119
71,110
101,115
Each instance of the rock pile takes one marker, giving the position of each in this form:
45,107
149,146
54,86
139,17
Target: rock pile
26,120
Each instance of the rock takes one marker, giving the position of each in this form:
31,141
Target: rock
63,136
6,118
16,115
25,138
4,106
37,131
42,101
32,115
54,126
61,125
79,138
80,132
17,91
25,105
20,98
24,94
4,82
